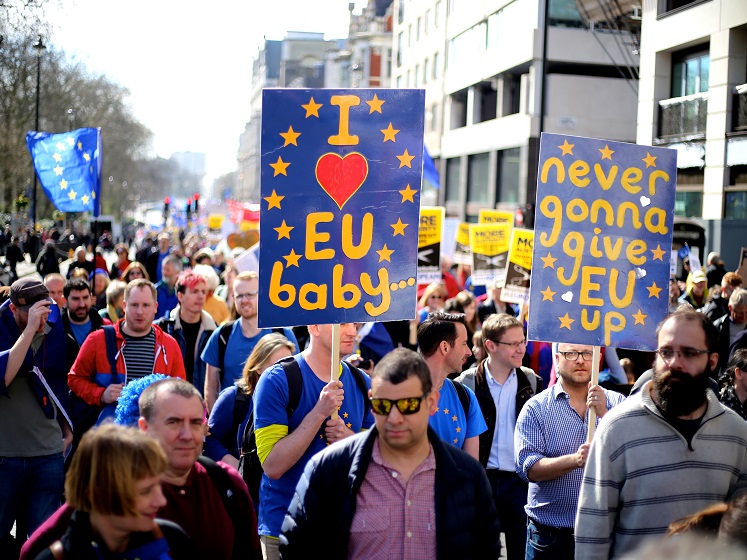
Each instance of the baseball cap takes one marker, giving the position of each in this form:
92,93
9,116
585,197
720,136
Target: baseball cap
25,292
698,276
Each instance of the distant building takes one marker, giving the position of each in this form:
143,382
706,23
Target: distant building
190,162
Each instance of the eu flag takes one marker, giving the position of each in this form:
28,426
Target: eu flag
69,167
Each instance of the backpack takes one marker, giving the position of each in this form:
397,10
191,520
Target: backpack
224,333
463,396
250,467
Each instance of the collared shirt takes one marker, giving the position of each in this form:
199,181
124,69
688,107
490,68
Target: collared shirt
548,426
395,518
504,397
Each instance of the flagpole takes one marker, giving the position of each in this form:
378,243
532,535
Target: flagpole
39,47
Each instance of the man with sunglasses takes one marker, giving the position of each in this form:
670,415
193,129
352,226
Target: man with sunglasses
502,387
550,450
396,491
667,452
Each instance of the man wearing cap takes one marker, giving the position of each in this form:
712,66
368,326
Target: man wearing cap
33,433
697,294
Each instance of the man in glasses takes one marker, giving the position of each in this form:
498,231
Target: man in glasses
396,491
230,345
550,450
443,342
502,387
666,453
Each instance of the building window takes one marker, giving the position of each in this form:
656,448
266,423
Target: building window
564,13
409,35
735,205
688,204
417,29
427,21
401,11
399,49
435,66
508,175
477,178
417,74
434,117
666,6
399,81
407,82
425,72
690,73
453,170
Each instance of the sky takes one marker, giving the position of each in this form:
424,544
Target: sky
187,63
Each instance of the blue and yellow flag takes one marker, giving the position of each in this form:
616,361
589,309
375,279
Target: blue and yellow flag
69,167
341,176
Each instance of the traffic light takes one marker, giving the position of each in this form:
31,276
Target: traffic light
197,203
189,207
166,202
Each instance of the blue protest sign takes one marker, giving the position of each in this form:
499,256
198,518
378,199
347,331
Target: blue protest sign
603,235
340,195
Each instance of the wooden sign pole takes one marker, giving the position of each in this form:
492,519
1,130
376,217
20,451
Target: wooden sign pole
335,361
594,381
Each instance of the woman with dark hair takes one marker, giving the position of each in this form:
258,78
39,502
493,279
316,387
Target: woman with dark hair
733,383
726,520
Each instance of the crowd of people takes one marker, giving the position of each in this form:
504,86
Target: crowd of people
139,396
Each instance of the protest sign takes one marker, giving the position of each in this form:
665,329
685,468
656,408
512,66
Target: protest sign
462,252
340,191
448,238
429,244
603,227
488,216
490,243
519,267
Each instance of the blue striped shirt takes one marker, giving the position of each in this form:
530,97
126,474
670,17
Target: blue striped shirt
548,426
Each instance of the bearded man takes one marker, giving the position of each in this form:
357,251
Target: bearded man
665,453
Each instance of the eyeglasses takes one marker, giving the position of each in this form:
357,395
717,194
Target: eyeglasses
434,296
248,295
515,345
406,406
573,356
667,354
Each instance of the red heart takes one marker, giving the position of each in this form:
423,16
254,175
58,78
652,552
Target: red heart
341,177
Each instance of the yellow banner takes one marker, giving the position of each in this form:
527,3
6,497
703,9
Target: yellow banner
519,267
490,244
488,216
462,252
429,244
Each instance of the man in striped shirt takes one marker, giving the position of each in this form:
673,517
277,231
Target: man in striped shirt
550,450
668,452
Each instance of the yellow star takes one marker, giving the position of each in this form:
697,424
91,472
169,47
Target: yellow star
312,108
385,254
547,294
292,259
566,321
649,160
454,418
658,252
639,318
63,184
85,199
408,194
321,436
72,195
58,170
86,156
567,148
273,201
57,158
606,152
290,137
456,440
80,145
70,141
653,290
344,414
399,227
446,410
405,160
375,104
349,425
548,261
389,133
458,429
93,195
280,166
284,230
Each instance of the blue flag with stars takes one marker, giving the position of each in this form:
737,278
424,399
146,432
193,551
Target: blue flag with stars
340,184
69,167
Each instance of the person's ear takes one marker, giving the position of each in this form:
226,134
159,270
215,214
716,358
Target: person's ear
142,424
432,401
713,360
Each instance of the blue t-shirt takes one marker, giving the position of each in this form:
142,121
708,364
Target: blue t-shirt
238,349
270,400
451,423
80,332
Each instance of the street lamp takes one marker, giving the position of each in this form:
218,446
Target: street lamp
39,47
71,117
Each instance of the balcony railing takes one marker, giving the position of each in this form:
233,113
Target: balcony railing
681,117
739,109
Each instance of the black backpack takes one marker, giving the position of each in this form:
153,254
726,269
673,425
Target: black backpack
224,332
250,467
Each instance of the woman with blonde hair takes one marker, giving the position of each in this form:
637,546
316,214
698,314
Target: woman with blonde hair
134,271
113,488
432,300
114,310
224,440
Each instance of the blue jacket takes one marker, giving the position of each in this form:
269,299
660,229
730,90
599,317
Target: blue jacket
173,326
221,431
166,299
325,501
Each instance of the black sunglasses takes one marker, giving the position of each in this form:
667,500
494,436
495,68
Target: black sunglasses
407,406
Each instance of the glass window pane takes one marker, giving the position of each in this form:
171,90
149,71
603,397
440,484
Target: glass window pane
705,71
508,175
736,205
691,70
477,178
677,80
688,204
453,167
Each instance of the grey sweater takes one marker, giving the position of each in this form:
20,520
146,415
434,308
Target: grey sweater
641,474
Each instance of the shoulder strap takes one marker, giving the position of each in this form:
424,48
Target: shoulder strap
240,405
110,335
361,382
224,333
295,383
463,396
57,550
529,374
279,330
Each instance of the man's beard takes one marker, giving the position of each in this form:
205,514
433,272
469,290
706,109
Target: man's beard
680,393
